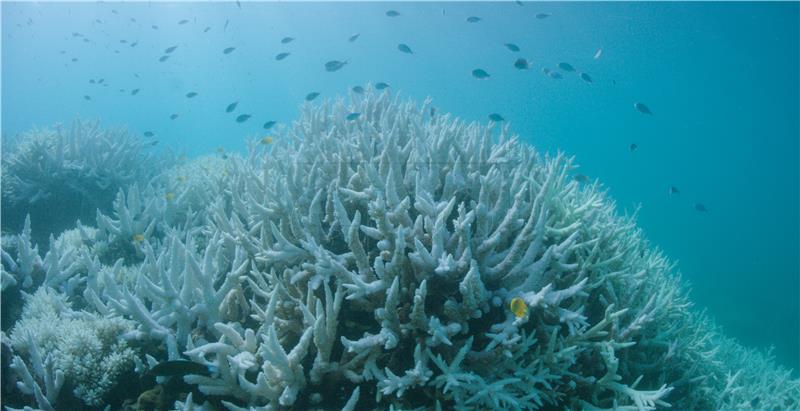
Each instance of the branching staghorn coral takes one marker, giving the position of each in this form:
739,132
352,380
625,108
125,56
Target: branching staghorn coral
370,264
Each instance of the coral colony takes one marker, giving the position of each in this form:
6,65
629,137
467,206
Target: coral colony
397,260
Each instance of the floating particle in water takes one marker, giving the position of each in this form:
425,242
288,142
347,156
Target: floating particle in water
581,178
513,47
163,58
700,207
354,37
473,19
522,64
542,16
287,40
87,98
173,116
191,94
392,13
480,74
585,77
134,91
268,125
381,85
358,89
496,117
352,116
239,4
228,50
334,65
312,95
170,49
598,53
149,134
231,107
404,48
225,27
633,147
566,67
242,118
281,56
642,108
673,190
182,22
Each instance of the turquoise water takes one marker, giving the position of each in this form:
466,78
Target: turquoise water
721,80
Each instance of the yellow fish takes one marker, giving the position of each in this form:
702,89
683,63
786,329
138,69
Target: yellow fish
138,238
181,178
518,307
169,196
266,140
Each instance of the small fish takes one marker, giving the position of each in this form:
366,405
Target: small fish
182,22
268,125
633,147
352,116
169,50
673,190
154,27
134,91
281,56
585,77
354,37
169,196
392,13
496,117
566,67
206,29
700,207
581,178
226,24
74,59
178,368
123,41
153,143
191,94
149,134
404,48
182,178
287,40
231,107
598,53
433,111
134,44
138,238
542,16
91,81
242,118
480,74
87,98
518,307
513,47
555,75
358,89
163,58
334,65
239,4
522,64
228,50
381,85
519,3
266,140
640,107
173,116
311,96
473,19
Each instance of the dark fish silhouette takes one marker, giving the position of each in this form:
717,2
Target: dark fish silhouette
173,117
281,56
206,29
555,75
228,50
334,65
581,178
358,89
87,98
182,22
154,27
191,94
633,146
239,4
149,134
134,91
522,64
404,48
473,19
541,16
700,207
513,47
134,44
352,116
101,81
268,125
242,118
231,107
91,81
566,67
585,77
480,74
496,117
381,85
392,13
354,37
163,58
170,49
640,107
519,3
311,96
226,24
673,190
287,40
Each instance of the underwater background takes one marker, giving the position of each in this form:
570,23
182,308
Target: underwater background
721,80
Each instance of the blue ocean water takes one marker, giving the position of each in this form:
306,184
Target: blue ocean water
720,78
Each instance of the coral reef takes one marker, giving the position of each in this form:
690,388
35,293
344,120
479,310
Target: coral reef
370,263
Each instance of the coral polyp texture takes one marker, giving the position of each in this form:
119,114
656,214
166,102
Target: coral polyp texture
371,263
